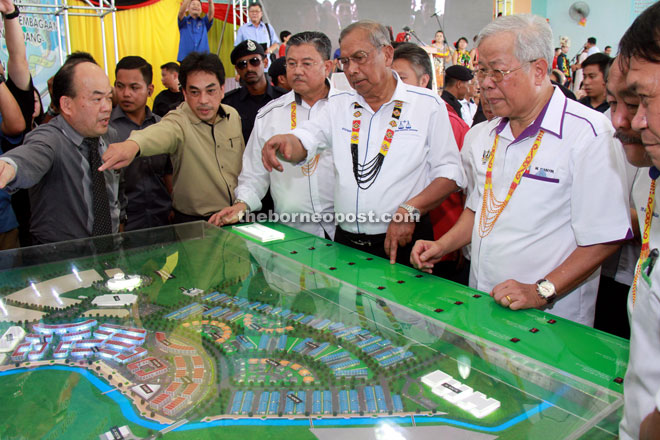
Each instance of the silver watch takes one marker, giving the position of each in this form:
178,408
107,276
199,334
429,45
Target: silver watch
546,290
414,213
247,207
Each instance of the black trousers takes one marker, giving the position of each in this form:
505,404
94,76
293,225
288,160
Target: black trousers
375,244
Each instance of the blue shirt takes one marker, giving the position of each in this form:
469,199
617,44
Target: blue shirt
260,34
194,35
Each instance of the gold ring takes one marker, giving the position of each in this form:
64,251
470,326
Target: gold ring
509,299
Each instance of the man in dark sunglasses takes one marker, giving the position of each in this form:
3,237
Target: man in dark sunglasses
250,62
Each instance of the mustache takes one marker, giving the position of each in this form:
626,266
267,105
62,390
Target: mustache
627,138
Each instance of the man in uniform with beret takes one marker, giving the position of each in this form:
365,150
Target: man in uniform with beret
457,79
250,61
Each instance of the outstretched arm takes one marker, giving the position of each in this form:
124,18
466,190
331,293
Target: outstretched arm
283,146
183,8
211,11
17,65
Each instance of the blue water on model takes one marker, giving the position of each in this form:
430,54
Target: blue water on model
128,411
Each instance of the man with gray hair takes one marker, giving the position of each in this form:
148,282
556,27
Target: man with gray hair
639,53
307,189
548,200
393,149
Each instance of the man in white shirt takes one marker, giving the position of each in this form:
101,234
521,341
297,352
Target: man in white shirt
392,144
297,190
257,30
549,196
591,46
640,55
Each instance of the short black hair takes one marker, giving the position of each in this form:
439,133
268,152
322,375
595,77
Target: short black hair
599,59
608,47
284,34
78,56
276,69
204,62
319,40
449,81
418,59
63,79
171,66
133,62
257,4
642,39
591,40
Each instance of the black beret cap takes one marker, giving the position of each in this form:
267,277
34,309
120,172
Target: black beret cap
247,47
460,73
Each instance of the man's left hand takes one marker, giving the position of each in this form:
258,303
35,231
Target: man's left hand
399,233
517,296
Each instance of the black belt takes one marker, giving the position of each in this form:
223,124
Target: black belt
362,239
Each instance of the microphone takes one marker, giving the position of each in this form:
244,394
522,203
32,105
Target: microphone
435,14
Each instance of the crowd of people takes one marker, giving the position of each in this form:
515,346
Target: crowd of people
500,177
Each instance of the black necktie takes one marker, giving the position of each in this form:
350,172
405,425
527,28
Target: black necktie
100,205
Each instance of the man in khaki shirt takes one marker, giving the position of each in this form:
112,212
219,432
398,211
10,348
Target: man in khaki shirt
202,137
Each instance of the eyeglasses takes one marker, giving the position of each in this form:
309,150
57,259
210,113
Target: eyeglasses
305,65
359,58
254,61
498,75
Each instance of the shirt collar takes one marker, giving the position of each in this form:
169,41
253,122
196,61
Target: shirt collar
654,173
68,130
298,98
118,113
400,93
550,119
270,90
261,24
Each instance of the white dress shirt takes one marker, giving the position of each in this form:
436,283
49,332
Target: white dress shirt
423,149
293,191
641,391
468,110
573,194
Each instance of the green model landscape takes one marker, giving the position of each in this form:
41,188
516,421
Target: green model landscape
264,296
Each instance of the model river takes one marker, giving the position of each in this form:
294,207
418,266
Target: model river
128,411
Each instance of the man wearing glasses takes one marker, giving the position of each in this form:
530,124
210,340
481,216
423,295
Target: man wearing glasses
308,189
549,199
250,61
394,153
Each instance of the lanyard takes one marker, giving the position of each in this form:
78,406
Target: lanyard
365,174
644,254
309,168
492,208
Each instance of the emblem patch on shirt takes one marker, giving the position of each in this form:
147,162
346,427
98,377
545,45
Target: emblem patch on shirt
485,157
404,125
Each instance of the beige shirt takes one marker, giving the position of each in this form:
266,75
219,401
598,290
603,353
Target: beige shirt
206,159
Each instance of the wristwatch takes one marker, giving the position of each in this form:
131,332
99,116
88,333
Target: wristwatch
12,15
247,207
546,290
414,213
